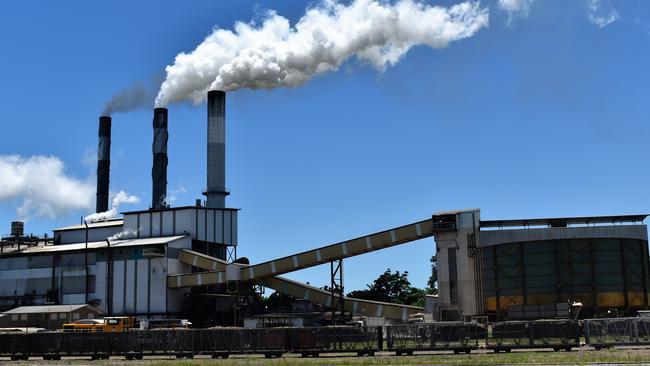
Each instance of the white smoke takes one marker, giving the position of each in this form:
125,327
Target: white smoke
125,234
516,8
120,198
129,99
173,195
275,54
43,187
601,13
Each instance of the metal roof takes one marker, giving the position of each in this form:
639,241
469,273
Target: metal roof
564,221
453,212
50,309
93,225
179,208
100,244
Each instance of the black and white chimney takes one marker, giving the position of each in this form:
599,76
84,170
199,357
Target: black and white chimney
103,163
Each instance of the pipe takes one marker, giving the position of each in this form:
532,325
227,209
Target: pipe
103,163
216,170
86,256
159,168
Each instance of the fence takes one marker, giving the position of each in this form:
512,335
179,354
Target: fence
452,336
218,342
272,342
602,333
556,334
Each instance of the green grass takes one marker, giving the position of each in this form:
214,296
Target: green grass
539,357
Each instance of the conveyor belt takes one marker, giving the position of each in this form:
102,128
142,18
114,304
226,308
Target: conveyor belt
306,292
202,261
352,305
346,249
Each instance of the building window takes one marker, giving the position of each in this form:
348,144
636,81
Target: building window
75,316
14,317
23,316
53,316
91,315
63,316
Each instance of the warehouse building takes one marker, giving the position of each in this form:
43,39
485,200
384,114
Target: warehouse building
538,268
47,316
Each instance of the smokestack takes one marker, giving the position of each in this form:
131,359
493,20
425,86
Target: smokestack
159,169
103,163
216,192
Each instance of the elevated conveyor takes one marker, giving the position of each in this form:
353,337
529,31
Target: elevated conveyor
352,305
346,249
303,291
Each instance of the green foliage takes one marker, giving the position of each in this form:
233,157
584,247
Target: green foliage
392,287
432,284
277,302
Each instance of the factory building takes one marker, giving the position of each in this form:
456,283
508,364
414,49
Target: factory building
537,268
182,261
121,266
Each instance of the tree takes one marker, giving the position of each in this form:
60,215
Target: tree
391,287
278,302
432,284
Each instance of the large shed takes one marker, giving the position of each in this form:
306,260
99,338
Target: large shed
47,316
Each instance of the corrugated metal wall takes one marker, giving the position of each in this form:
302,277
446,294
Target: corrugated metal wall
600,273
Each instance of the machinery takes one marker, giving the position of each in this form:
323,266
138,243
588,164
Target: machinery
107,324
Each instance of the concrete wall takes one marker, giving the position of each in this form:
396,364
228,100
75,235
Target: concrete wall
465,303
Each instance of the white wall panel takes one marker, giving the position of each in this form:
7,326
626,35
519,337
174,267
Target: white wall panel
158,276
184,221
200,216
131,223
219,226
156,228
210,231
100,284
130,282
226,227
73,299
145,226
142,286
168,223
118,287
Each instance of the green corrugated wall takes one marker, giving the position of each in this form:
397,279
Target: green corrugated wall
600,273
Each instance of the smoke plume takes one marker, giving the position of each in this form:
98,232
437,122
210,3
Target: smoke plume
42,186
125,234
276,54
129,99
120,198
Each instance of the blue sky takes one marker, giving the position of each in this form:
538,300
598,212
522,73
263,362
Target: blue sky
544,115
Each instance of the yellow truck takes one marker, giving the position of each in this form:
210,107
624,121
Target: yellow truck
108,324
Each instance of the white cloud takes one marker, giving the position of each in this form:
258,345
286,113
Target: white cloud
601,12
276,54
516,8
42,186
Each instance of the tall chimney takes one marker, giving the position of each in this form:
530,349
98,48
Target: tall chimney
216,192
159,169
103,163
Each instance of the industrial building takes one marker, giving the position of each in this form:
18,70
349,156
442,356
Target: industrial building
171,262
533,268
46,316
